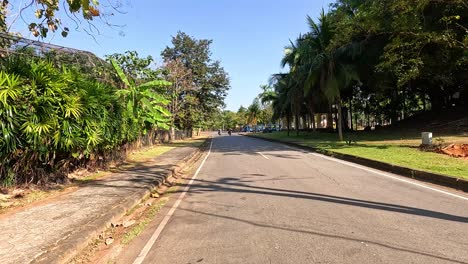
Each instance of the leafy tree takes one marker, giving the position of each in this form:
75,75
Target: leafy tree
242,115
46,14
379,60
230,119
3,26
210,81
49,14
266,115
182,84
423,44
3,12
135,67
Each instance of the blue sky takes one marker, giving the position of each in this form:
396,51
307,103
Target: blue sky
248,35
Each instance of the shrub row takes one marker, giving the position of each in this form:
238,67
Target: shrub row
54,119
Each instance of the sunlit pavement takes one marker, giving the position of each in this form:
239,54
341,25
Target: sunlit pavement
260,202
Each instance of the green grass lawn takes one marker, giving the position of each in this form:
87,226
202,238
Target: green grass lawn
157,150
193,142
395,148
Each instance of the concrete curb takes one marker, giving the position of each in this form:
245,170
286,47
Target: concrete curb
77,240
439,179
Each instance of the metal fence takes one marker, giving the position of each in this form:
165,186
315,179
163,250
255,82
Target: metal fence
12,46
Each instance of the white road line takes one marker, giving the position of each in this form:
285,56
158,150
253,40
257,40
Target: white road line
263,155
390,176
144,252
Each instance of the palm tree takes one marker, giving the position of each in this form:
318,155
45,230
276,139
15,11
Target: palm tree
324,67
267,95
316,73
282,101
253,111
292,58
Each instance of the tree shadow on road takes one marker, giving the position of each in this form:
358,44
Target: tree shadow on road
321,234
234,185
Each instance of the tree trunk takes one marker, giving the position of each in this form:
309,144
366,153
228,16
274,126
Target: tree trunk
310,106
288,121
345,119
297,125
351,114
340,120
437,101
368,120
330,118
306,122
356,121
172,137
312,120
312,116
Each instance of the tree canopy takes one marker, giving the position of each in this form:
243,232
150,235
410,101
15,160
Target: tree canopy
385,58
208,82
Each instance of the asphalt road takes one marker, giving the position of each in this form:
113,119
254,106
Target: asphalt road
260,202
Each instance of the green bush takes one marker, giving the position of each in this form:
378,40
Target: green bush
52,119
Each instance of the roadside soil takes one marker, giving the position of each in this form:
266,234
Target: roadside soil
456,150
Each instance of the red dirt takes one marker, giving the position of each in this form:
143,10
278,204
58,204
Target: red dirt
456,150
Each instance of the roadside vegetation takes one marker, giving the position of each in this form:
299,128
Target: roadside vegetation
367,64
370,76
63,109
